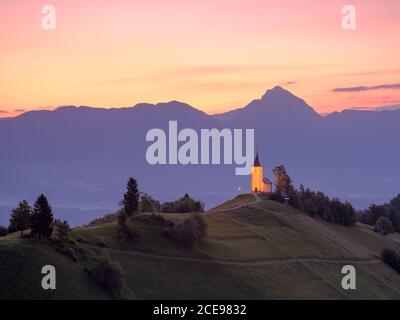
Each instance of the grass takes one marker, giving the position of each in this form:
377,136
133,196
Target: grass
262,250
238,201
20,273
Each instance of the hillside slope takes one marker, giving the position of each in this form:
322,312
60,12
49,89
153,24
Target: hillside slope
256,250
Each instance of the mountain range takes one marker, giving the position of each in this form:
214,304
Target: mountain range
81,157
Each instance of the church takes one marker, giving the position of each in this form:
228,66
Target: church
259,183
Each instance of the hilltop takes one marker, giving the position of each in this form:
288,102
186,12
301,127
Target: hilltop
255,249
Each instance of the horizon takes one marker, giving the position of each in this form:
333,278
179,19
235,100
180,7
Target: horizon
214,56
361,109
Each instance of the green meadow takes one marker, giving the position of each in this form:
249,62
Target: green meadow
254,249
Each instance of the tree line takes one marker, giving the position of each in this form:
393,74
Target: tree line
316,204
385,218
38,219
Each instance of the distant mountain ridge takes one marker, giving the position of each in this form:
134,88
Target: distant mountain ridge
278,101
81,156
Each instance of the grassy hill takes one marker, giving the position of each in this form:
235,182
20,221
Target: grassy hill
255,249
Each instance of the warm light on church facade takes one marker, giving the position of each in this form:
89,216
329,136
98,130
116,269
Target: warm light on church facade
259,183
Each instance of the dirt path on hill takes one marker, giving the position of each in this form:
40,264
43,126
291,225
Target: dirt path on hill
259,262
257,200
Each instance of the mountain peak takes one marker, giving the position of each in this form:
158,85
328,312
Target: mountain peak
276,102
276,92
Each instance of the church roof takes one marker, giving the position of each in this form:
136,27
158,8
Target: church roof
267,181
257,161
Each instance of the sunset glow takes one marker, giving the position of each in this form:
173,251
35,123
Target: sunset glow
216,55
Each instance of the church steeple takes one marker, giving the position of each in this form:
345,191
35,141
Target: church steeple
258,182
257,162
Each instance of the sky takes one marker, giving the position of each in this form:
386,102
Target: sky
216,55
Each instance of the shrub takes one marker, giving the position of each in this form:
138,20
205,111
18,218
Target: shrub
109,274
80,240
61,231
71,252
101,242
186,204
384,226
189,232
128,233
202,225
157,219
391,258
125,231
108,218
148,204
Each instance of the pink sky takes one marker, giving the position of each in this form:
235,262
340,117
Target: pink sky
215,55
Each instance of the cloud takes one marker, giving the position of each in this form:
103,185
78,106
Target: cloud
393,107
3,111
369,73
212,69
394,86
19,110
290,83
183,72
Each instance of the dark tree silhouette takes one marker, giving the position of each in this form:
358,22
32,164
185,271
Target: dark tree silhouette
284,190
21,217
42,218
131,198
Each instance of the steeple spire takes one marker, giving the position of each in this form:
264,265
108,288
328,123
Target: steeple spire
257,160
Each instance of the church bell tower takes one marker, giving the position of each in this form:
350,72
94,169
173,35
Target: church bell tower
258,182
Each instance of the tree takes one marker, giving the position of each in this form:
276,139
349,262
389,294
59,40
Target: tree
394,217
131,198
148,203
42,218
21,217
3,231
284,190
395,202
61,231
373,213
384,226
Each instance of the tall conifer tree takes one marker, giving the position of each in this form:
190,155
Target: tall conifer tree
131,198
42,218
